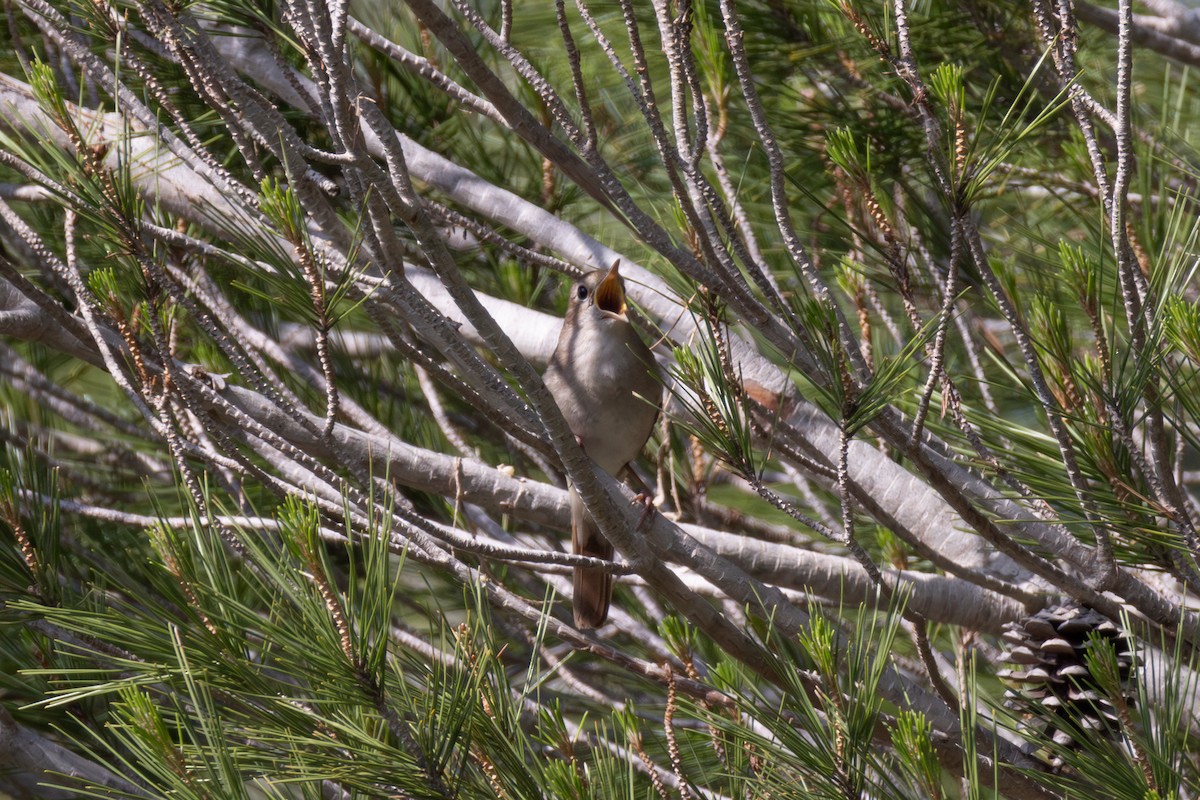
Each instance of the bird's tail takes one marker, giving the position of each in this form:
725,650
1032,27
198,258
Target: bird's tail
593,586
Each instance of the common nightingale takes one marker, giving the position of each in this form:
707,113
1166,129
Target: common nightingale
605,381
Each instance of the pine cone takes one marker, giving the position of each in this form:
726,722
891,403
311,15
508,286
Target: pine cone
1050,683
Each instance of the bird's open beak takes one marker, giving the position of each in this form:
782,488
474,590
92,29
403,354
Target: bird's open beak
610,294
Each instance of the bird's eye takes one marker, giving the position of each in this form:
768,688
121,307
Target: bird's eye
581,292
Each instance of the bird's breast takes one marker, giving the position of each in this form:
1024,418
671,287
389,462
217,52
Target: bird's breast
596,376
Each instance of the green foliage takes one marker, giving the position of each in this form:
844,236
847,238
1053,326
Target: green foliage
714,412
818,735
214,594
914,746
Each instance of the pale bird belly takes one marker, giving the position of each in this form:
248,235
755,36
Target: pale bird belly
598,400
625,427
612,422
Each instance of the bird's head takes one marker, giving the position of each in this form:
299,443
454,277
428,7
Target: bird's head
601,295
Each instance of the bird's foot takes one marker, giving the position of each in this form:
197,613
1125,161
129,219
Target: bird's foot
646,501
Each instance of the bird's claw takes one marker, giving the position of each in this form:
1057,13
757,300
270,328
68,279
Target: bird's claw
648,509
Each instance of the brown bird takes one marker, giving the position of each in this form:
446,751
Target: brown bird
605,381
